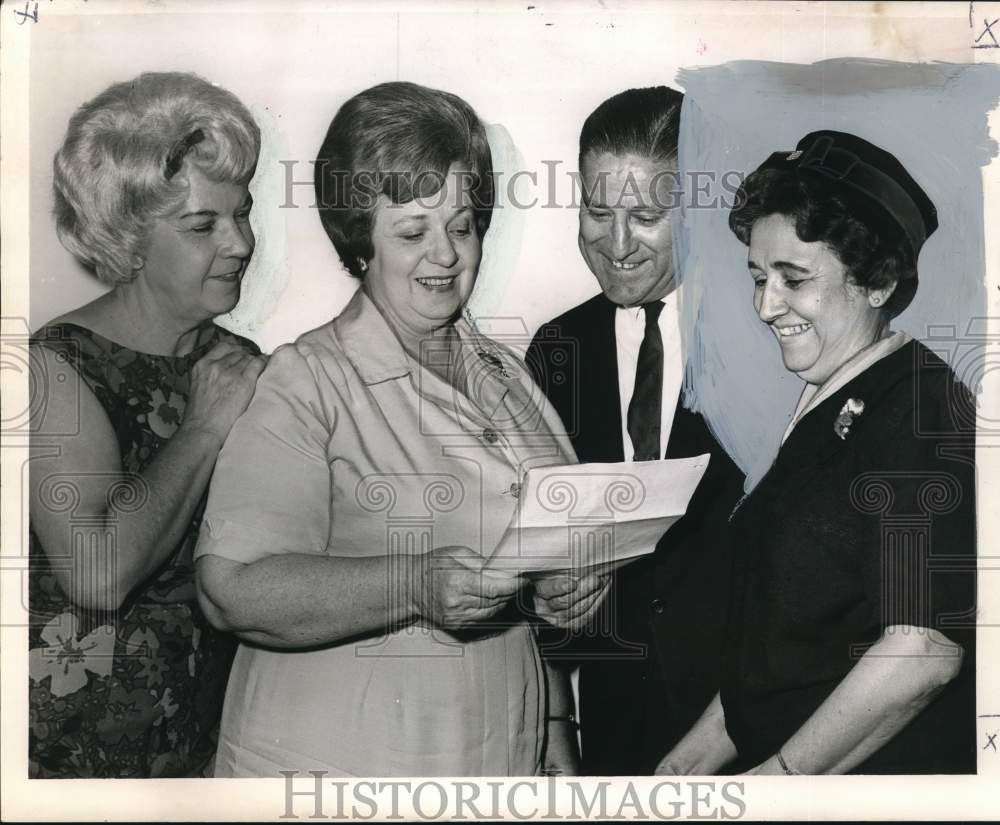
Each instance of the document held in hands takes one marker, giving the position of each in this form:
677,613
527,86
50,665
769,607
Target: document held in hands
584,515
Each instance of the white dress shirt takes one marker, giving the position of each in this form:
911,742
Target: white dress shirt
630,327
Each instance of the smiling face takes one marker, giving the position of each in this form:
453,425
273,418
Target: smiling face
802,292
426,258
625,234
196,256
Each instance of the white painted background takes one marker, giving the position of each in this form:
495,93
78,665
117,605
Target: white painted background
537,71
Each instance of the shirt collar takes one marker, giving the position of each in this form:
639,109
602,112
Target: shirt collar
370,345
669,301
377,356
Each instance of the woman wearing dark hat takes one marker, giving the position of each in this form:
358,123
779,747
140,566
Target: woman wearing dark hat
853,638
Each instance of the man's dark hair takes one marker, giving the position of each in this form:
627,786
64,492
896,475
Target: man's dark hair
644,122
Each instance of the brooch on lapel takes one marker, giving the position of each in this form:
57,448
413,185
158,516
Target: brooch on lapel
494,362
514,490
851,410
485,349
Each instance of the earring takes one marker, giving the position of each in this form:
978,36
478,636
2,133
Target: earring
362,264
875,300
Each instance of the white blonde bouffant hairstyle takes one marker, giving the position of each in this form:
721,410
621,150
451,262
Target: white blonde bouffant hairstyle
115,170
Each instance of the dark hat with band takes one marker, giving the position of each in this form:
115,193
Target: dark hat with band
868,170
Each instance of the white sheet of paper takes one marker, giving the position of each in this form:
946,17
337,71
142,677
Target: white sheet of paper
584,515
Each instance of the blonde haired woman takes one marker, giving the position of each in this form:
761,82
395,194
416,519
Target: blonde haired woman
139,390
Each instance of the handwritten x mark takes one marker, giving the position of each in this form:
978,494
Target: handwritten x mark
988,31
991,741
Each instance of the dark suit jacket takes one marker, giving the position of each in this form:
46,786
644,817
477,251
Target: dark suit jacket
652,661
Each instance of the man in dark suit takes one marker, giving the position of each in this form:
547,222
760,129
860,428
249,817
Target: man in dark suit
651,661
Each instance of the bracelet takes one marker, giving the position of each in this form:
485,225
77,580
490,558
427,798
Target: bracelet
784,766
569,717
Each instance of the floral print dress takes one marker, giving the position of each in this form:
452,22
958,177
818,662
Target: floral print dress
136,692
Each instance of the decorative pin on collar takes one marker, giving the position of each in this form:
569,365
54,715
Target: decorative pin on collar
493,361
486,349
851,410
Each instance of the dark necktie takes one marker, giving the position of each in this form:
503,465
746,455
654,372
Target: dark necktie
647,397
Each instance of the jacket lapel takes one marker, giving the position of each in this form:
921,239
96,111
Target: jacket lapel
600,412
688,434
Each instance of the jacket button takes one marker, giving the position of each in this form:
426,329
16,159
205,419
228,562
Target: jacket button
491,436
656,606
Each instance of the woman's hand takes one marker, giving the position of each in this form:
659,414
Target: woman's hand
451,589
668,767
891,684
167,491
294,600
704,749
568,601
769,767
222,384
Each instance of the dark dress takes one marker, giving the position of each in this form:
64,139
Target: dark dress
135,692
651,660
843,538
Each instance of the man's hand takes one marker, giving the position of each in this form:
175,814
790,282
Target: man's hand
568,601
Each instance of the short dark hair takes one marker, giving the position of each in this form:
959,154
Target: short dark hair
873,248
644,122
399,140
